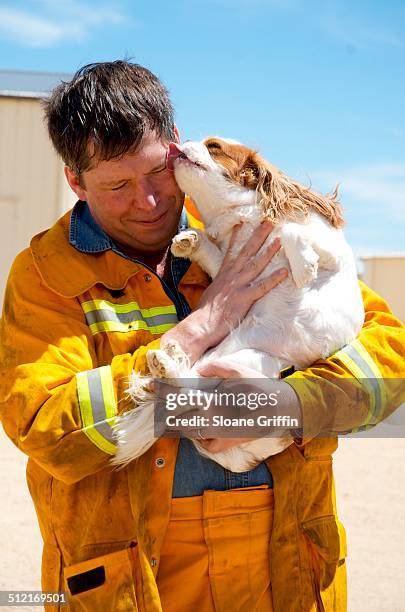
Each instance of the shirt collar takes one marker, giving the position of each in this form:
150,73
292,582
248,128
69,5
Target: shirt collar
85,234
88,237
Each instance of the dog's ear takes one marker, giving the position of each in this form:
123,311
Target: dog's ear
258,174
271,185
282,198
249,174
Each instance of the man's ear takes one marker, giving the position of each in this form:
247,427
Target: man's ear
176,133
74,182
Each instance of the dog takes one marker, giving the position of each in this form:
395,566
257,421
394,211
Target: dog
310,315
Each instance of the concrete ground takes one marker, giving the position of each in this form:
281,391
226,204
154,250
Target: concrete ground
370,481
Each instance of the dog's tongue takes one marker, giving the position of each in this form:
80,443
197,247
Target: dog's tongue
174,151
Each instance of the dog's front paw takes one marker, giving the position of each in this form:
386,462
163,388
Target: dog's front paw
304,269
185,244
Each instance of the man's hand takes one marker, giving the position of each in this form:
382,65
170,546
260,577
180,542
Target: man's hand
288,402
230,296
228,369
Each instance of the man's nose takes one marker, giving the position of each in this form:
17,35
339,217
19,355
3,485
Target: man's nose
145,196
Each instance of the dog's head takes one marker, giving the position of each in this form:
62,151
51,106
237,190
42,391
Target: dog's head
218,172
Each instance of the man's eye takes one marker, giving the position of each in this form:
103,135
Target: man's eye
119,187
160,169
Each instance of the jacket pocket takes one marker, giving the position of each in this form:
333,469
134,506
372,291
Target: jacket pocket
326,543
103,583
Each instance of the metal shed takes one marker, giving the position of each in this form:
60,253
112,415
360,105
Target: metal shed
385,273
33,189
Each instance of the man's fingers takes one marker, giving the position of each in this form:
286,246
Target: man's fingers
257,264
264,285
232,241
218,370
255,242
252,246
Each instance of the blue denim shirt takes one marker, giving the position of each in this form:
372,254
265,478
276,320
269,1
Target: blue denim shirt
193,473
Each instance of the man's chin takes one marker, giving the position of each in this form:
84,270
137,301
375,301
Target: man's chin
149,242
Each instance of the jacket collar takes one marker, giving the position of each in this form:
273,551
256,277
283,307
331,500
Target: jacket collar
58,255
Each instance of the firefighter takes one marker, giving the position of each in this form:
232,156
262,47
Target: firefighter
83,305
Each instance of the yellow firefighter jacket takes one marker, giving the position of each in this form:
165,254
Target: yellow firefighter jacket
66,354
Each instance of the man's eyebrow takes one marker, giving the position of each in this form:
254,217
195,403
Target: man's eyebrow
158,166
114,182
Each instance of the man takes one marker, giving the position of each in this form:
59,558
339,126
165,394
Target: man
83,305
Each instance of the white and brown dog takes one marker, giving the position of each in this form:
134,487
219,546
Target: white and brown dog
314,312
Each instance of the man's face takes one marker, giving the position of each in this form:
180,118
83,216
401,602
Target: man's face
135,199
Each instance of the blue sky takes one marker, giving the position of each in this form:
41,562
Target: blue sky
317,86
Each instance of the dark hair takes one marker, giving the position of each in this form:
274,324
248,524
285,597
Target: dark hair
109,105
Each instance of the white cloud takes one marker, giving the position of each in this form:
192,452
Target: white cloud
86,14
29,30
374,188
357,31
361,36
373,198
67,20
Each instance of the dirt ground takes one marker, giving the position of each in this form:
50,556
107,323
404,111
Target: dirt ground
370,483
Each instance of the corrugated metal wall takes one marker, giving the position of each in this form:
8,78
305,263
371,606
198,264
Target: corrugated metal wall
33,189
386,274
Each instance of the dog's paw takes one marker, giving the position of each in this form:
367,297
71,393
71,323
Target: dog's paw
174,351
186,243
161,365
304,269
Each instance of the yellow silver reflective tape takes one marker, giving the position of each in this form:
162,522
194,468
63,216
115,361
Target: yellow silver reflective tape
110,326
98,407
103,316
360,364
125,308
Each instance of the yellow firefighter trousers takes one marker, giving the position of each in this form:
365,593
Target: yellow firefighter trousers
215,555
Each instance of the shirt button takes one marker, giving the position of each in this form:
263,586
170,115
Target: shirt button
153,562
160,462
147,278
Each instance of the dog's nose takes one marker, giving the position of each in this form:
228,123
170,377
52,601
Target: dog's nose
174,151
175,148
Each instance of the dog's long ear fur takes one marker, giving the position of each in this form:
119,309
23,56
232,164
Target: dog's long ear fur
282,198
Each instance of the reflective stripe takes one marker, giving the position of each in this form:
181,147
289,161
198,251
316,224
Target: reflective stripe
358,361
103,316
98,407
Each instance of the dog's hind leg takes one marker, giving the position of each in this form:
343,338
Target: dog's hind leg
327,242
301,256
170,362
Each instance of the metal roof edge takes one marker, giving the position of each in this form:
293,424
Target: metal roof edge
383,256
5,93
